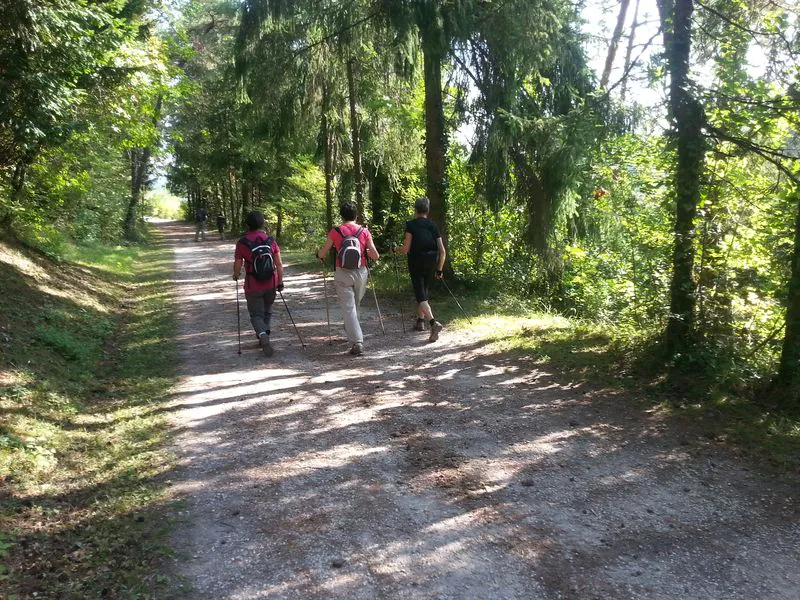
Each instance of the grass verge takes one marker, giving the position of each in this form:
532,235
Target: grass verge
86,370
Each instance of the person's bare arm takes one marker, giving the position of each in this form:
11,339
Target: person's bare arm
372,251
279,268
326,247
442,256
406,245
237,268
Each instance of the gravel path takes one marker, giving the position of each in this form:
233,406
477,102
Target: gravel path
440,471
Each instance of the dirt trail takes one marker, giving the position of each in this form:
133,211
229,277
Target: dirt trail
440,471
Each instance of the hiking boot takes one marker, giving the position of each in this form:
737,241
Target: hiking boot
266,347
357,349
420,325
436,327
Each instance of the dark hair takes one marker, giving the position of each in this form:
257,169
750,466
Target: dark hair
254,220
348,211
422,205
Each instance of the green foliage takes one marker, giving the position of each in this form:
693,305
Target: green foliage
63,343
163,204
49,49
301,199
484,242
82,86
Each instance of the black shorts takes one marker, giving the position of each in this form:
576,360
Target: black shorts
421,276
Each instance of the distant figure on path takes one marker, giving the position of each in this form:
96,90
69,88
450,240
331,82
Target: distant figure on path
353,245
261,257
426,254
200,218
221,221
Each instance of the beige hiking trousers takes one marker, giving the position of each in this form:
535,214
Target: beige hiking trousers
351,285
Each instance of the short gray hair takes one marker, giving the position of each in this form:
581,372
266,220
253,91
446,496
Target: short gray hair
422,205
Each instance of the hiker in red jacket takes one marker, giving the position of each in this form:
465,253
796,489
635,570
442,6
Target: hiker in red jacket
261,257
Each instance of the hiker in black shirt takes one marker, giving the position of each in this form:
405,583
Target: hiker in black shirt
221,222
200,218
425,249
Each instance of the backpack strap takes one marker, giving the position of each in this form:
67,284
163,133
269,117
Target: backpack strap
253,243
356,235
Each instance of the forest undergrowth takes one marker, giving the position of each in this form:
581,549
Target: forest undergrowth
87,365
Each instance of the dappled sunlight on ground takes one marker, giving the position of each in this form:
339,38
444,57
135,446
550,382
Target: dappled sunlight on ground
49,283
418,470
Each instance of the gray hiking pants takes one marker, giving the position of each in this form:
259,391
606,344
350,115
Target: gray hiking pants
199,230
259,305
351,284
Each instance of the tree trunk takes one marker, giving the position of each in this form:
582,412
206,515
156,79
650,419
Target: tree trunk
789,368
247,195
327,154
219,207
18,177
279,224
615,37
394,210
629,51
140,163
379,186
539,230
237,192
235,208
139,159
687,118
358,177
435,137
18,180
227,197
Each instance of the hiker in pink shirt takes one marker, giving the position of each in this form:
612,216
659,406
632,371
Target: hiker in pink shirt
353,244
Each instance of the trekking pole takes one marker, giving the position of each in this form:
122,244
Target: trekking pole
399,290
375,295
447,287
238,317
292,320
327,307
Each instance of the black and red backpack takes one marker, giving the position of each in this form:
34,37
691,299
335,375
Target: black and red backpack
262,259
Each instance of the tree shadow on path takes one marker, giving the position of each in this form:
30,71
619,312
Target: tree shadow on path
440,470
